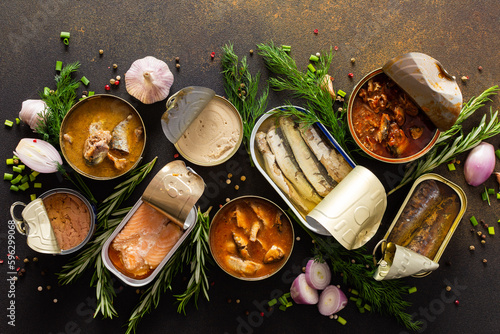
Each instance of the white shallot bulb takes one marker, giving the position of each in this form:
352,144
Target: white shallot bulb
149,80
32,111
38,155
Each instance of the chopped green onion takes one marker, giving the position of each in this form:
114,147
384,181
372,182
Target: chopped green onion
37,185
65,34
85,81
25,179
32,178
341,93
35,173
498,195
412,290
18,120
16,180
66,41
7,176
58,65
8,123
473,220
21,166
272,302
287,295
353,298
33,197
484,196
497,153
359,302
361,310
91,93
10,161
311,68
451,167
368,307
354,292
24,186
491,230
17,169
282,307
313,58
14,188
491,191
341,320
287,48
289,304
46,91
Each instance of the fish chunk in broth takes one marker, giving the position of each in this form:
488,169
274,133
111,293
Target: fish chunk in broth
96,145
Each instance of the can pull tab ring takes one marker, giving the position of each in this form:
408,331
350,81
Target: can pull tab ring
382,244
20,225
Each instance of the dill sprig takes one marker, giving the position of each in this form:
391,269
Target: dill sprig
193,252
308,86
241,89
108,218
447,149
357,269
58,101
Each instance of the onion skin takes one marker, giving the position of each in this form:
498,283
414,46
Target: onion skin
318,274
479,164
331,300
302,293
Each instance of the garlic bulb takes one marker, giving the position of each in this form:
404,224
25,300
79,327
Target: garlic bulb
149,80
32,111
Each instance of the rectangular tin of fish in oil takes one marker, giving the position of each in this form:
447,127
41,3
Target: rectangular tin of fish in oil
428,217
155,227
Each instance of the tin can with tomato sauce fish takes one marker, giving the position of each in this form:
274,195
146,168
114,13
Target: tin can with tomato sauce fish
156,225
395,113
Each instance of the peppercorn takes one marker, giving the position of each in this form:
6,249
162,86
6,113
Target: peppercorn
472,248
472,230
40,288
118,77
237,301
353,60
48,287
26,260
115,66
483,241
485,261
112,81
107,87
350,75
229,175
35,259
298,238
483,236
448,288
229,300
479,233
303,269
177,59
228,199
251,52
243,178
480,68
228,181
177,66
485,225
23,271
236,187
101,51
117,82
85,93
457,302
55,300
464,78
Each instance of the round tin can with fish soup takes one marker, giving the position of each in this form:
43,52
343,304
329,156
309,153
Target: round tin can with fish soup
251,238
60,221
395,113
102,137
428,217
205,128
156,226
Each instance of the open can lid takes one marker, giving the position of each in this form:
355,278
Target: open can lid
182,109
352,217
174,191
425,80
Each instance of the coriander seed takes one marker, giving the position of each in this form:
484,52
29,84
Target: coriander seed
448,288
115,66
101,51
112,81
177,66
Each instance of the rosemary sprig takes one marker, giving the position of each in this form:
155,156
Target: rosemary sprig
241,89
357,269
308,86
77,182
196,255
450,150
91,255
193,252
58,103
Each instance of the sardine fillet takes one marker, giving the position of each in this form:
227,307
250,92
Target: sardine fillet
277,176
120,139
308,163
335,164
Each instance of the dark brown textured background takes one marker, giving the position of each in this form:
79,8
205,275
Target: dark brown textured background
461,35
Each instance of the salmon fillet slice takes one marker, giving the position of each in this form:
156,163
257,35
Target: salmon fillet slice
167,238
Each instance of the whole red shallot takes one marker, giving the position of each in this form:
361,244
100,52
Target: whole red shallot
479,164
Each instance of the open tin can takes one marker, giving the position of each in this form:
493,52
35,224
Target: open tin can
351,217
251,238
156,225
395,113
61,221
206,129
422,228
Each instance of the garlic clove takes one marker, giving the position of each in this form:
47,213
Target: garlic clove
32,112
149,80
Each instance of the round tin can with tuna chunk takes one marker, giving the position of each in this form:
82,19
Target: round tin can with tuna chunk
102,137
251,238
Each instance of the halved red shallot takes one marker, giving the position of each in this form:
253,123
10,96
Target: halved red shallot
318,274
331,300
302,293
479,164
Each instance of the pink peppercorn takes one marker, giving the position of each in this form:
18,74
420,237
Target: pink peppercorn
107,87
